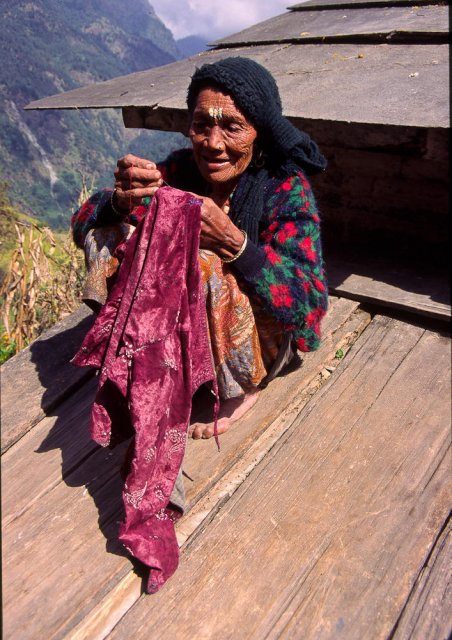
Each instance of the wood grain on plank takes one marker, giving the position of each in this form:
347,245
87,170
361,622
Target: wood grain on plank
329,532
428,612
38,378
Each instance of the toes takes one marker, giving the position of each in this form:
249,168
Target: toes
208,432
222,426
197,431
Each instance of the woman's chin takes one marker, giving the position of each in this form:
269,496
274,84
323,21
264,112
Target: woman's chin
221,181
222,172
217,173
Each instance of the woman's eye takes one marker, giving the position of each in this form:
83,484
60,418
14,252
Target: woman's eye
233,128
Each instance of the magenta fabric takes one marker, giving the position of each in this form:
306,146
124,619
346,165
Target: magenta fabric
150,342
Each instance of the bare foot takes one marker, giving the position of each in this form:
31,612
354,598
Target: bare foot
230,411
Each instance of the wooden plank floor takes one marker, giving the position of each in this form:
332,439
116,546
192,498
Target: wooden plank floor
330,454
64,479
330,531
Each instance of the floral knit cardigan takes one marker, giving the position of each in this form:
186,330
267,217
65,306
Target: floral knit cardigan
285,271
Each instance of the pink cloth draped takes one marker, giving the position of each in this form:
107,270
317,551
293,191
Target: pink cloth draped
150,342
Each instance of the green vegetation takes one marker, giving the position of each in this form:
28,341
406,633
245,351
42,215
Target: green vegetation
7,348
9,215
42,278
48,46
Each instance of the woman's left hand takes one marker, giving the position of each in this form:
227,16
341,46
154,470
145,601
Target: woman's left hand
218,233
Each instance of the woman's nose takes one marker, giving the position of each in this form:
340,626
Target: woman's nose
215,138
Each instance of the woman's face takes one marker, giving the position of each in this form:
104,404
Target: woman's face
222,138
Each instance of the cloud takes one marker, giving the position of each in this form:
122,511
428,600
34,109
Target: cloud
212,19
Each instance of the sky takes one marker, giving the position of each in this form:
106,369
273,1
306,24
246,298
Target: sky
213,19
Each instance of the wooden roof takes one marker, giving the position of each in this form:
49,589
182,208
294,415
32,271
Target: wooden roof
366,62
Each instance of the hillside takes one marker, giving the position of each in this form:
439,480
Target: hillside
190,45
49,46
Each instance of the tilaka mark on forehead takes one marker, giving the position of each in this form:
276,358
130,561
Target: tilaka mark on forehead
216,113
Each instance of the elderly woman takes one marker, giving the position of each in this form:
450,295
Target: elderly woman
261,255
260,264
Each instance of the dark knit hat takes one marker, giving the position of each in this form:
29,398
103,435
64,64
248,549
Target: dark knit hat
286,148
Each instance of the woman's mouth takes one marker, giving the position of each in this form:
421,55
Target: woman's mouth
215,163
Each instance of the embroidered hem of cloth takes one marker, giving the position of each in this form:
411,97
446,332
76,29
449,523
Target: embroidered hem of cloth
150,342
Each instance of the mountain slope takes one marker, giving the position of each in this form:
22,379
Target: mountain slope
48,46
190,45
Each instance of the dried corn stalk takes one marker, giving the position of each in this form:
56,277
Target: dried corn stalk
40,288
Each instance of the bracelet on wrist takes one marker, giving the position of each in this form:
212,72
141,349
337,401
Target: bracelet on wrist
120,214
240,251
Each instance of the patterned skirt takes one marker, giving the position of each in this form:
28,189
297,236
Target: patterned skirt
247,344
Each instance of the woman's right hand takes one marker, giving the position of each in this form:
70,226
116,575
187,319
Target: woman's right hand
135,178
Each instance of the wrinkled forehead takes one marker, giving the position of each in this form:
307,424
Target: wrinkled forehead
215,102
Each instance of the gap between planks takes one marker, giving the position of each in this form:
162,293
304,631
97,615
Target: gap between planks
427,614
